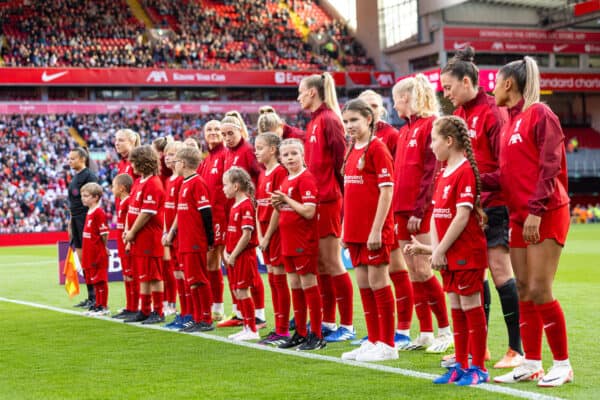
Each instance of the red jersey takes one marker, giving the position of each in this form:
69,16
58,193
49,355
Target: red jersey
121,218
165,173
268,181
242,216
533,170
193,197
211,170
148,196
299,236
325,145
124,167
362,189
93,254
455,188
243,156
172,188
388,135
414,167
485,121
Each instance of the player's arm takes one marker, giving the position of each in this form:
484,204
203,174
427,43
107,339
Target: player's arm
207,220
383,207
458,224
141,220
170,235
305,210
241,245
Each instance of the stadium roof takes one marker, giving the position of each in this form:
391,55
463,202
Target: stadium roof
547,4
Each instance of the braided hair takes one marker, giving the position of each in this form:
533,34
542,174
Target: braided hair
455,127
242,178
364,109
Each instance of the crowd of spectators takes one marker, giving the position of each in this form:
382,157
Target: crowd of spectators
248,34
34,173
580,214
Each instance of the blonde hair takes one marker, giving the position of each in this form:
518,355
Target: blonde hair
526,75
93,189
268,122
325,85
133,136
239,176
378,99
190,156
235,114
175,145
423,101
296,143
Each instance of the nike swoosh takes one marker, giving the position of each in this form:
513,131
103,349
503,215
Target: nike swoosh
463,287
518,377
51,77
550,380
549,325
560,48
509,314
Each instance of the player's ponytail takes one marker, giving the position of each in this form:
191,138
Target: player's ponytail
422,99
455,127
243,128
325,85
526,76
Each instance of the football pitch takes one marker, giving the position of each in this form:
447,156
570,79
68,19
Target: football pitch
49,350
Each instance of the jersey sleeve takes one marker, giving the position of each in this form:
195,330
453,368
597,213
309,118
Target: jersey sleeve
101,222
151,197
384,167
465,189
308,192
201,196
248,218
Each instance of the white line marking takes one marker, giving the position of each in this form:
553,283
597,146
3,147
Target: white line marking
30,263
377,367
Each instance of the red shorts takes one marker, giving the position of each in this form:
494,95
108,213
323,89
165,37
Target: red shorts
95,275
463,282
401,220
148,268
272,254
554,225
219,227
195,270
330,218
127,265
361,255
245,271
301,265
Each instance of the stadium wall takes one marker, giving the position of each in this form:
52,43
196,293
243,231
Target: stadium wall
38,238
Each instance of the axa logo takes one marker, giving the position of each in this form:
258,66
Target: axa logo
515,138
313,139
498,46
157,77
214,171
446,190
412,143
385,79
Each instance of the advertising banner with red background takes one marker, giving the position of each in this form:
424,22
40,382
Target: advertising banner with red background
180,77
510,40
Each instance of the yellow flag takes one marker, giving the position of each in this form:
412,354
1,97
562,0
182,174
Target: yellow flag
70,272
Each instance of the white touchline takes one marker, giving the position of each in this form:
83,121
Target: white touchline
377,367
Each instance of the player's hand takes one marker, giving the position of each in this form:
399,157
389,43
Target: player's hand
414,224
278,198
438,260
127,247
531,228
415,247
264,243
343,244
129,237
231,260
374,240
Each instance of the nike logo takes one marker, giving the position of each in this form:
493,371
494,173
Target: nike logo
550,380
519,377
460,46
522,324
463,287
402,298
50,77
546,326
558,49
142,276
509,314
373,257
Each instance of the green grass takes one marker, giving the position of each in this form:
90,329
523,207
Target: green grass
50,355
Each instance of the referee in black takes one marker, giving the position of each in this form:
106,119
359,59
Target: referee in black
79,162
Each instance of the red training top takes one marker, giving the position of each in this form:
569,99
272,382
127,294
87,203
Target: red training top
211,170
388,135
414,167
325,146
363,178
485,121
455,188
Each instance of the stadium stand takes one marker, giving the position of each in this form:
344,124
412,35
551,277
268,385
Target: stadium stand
241,35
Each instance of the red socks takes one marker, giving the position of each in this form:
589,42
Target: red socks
327,291
437,301
385,308
556,329
201,298
422,307
247,309
169,280
157,299
132,299
315,309
216,285
146,303
344,296
183,297
461,337
477,335
370,309
404,298
282,313
531,330
258,292
101,290
299,303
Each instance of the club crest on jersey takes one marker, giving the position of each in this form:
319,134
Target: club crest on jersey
183,194
290,191
172,191
89,223
268,187
235,160
446,190
414,134
137,196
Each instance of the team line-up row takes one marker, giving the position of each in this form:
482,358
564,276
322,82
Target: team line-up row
441,194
